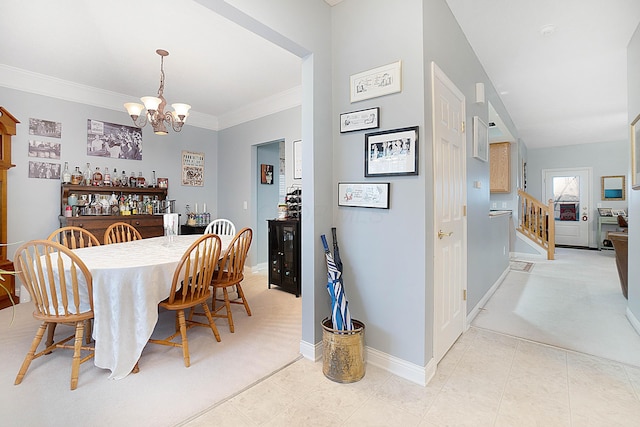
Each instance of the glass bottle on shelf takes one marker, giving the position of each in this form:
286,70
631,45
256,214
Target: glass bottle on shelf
141,182
97,177
115,179
124,181
76,176
133,181
88,175
107,178
66,175
154,183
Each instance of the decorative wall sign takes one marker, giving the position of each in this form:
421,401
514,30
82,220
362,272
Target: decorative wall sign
376,82
192,169
113,140
48,128
49,150
360,120
391,152
44,170
364,195
266,174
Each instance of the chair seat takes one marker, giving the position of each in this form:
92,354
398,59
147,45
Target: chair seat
179,305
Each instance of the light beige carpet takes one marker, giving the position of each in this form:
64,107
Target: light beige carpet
164,392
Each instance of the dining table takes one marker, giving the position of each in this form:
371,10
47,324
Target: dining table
130,279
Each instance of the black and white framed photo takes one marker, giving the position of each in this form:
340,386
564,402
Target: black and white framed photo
40,127
480,139
112,140
376,82
50,150
391,152
360,120
44,170
364,194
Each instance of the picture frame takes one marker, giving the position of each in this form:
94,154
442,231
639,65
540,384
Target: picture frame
360,120
480,139
266,174
192,169
617,212
364,194
391,152
635,153
297,159
605,212
612,187
114,141
375,82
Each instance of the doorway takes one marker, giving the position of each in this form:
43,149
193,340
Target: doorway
269,193
570,190
450,242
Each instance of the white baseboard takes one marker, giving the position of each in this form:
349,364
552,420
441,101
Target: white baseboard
472,315
259,267
420,375
635,323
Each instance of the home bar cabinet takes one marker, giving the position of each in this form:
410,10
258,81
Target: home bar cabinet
284,254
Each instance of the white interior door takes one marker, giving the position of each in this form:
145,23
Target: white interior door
449,166
570,191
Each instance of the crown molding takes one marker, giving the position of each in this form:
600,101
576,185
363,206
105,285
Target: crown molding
41,84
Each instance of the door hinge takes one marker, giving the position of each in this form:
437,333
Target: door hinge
464,294
462,126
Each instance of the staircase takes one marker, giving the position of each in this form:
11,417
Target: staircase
536,221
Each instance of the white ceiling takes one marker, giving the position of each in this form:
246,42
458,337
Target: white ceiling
568,87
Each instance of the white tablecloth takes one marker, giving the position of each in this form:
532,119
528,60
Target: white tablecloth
129,280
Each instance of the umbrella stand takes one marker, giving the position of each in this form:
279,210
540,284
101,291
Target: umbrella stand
342,336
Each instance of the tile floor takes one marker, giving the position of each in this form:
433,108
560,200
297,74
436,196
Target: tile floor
486,379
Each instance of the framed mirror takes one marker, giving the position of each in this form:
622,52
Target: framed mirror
613,187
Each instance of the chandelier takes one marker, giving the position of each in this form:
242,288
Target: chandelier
155,113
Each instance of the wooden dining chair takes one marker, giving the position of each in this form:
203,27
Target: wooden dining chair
119,232
191,287
61,288
221,227
230,272
74,237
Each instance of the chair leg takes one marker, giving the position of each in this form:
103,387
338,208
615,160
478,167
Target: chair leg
77,346
228,305
50,332
213,326
183,333
244,300
88,331
32,351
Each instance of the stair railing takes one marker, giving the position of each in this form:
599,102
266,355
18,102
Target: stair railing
536,221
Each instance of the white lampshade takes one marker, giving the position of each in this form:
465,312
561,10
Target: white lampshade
181,109
151,102
133,108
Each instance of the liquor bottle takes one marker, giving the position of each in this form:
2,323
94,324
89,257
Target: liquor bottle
154,183
97,177
115,179
107,178
133,181
124,181
66,175
76,176
88,176
141,181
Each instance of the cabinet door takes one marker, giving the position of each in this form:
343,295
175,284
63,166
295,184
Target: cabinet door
95,225
151,226
275,251
289,256
499,166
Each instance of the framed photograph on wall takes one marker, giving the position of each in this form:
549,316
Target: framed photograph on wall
192,169
391,152
480,139
266,174
635,153
376,82
360,120
364,194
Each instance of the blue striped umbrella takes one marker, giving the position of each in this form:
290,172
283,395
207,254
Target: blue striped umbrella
340,316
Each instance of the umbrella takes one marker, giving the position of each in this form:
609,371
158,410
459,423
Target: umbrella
336,251
340,316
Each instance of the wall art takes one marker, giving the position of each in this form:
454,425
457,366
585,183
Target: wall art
376,82
49,150
480,139
44,170
363,194
266,174
113,140
48,128
192,169
391,152
360,120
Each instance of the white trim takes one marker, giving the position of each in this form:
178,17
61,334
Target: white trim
310,351
40,84
420,375
259,267
635,323
476,310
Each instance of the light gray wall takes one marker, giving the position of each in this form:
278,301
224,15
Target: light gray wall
267,198
34,204
605,158
633,76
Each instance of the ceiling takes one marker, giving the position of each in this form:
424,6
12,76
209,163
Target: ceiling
563,85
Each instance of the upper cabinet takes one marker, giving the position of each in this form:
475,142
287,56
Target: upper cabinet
499,165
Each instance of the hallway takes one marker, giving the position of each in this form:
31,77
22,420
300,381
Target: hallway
574,302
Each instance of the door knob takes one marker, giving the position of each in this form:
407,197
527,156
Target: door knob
441,234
